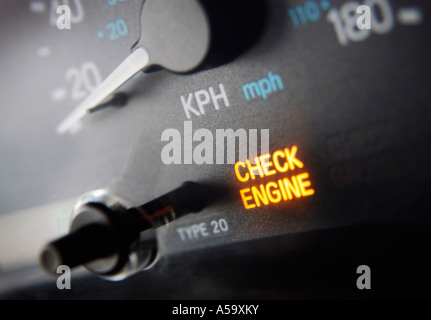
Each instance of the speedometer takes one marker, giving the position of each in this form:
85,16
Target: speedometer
265,137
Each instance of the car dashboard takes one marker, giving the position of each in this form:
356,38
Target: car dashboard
268,149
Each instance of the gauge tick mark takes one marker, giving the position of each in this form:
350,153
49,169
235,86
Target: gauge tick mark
43,52
410,16
325,4
59,94
37,7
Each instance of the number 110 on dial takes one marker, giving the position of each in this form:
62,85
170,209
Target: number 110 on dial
309,12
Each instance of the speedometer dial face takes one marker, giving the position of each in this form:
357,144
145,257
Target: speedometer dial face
315,124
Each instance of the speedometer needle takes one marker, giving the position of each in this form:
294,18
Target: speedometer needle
176,33
134,63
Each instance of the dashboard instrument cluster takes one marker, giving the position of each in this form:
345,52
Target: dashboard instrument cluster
199,149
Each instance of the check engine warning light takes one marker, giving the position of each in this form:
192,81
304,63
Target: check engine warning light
280,189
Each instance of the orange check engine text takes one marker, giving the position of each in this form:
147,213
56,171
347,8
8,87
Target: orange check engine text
282,189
